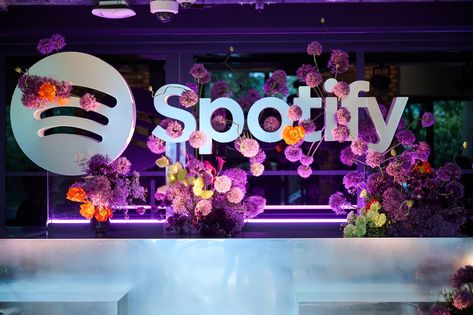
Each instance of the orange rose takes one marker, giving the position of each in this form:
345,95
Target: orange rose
87,210
292,135
47,91
76,194
103,214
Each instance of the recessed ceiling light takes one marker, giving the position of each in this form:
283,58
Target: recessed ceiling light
113,9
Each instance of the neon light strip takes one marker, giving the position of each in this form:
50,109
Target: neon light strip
301,207
154,221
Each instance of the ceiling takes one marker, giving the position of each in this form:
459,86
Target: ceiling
146,2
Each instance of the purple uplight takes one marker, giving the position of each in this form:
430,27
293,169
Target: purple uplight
296,220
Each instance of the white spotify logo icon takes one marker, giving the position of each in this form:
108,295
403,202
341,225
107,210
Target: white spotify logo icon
108,130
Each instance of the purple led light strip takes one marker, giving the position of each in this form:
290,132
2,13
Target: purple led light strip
154,221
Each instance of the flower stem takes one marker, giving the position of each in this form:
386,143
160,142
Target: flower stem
315,62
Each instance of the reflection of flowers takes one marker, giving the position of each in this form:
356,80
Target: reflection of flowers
47,45
460,299
156,145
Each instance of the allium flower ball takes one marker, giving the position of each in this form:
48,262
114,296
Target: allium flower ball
174,129
188,98
271,123
197,139
338,202
303,71
405,137
293,153
341,133
374,158
156,145
304,171
258,158
276,85
294,112
256,169
306,160
428,119
308,125
313,79
32,101
194,87
338,62
314,49
88,102
255,205
342,116
347,157
358,146
57,42
423,151
44,46
341,90
462,299
122,165
222,183
203,208
219,122
235,195
247,147
198,71
220,89
463,276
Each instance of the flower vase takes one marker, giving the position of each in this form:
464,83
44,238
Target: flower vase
100,228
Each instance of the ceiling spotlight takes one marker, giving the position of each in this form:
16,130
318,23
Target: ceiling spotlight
3,5
164,9
113,9
259,5
186,4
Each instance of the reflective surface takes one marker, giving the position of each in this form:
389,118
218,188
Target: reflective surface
230,276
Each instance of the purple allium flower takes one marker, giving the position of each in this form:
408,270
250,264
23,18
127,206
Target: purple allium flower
394,204
205,79
314,49
293,153
402,124
341,90
256,169
303,71
44,46
249,99
341,133
428,119
173,128
219,122
439,309
188,98
422,151
235,195
99,190
277,84
338,202
308,125
462,299
374,158
455,189
347,157
203,207
222,183
254,206
353,181
238,177
449,171
304,171
463,276
198,71
32,101
121,165
97,165
398,172
406,137
197,139
258,158
271,124
358,146
193,86
294,112
63,89
376,184
343,116
306,160
88,102
220,89
57,42
338,62
366,131
156,145
247,147
313,79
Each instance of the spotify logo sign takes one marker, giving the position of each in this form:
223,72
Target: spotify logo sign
53,136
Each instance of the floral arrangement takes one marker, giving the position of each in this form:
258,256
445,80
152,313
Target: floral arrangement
402,195
203,199
39,91
107,186
458,300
